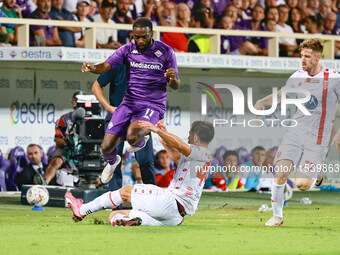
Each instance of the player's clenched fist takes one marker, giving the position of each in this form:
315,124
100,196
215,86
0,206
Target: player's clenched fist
87,67
170,74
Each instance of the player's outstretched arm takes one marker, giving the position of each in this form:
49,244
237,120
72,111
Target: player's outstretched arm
98,92
267,101
174,154
173,79
171,139
99,68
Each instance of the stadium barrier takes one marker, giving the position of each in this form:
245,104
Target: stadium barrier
215,34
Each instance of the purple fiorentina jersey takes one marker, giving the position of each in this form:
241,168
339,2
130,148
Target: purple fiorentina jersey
146,84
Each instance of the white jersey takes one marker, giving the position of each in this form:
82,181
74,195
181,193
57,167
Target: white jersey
188,181
325,94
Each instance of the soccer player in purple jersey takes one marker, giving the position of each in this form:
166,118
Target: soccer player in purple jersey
151,65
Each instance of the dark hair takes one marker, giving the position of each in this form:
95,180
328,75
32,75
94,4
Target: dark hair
313,44
142,22
160,152
33,145
204,130
77,93
200,16
258,148
229,153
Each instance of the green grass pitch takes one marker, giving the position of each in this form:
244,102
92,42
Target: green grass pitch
225,223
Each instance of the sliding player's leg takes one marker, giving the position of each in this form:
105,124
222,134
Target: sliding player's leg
108,200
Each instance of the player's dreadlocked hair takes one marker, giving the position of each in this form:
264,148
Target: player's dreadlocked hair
204,130
313,44
142,22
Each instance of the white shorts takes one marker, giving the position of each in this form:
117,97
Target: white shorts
307,159
154,206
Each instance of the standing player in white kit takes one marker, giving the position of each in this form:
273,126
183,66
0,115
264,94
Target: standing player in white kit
305,146
152,205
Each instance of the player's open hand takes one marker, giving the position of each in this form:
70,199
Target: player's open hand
87,67
148,125
170,74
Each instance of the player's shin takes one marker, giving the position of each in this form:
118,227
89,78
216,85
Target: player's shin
111,157
277,199
108,200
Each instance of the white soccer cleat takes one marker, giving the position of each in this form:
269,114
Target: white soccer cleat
109,170
132,149
274,221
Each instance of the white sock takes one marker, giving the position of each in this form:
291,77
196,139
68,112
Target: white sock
278,199
107,200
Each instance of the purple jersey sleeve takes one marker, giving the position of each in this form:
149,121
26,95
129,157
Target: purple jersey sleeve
118,57
172,63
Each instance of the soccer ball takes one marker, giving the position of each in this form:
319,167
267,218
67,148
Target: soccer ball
288,192
37,195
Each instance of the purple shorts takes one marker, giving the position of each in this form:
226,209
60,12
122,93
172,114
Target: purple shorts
127,113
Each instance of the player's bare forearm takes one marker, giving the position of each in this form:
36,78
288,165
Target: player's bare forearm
98,69
267,101
98,92
174,154
174,84
171,139
175,142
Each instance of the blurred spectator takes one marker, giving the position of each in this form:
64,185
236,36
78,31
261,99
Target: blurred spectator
70,5
272,13
154,12
292,3
325,8
33,169
259,45
106,37
314,5
208,12
136,9
12,10
270,3
169,11
231,11
43,35
66,34
199,43
179,41
121,17
314,25
271,25
248,6
234,45
26,6
335,5
295,20
4,37
269,161
189,3
218,7
93,10
131,173
302,4
81,15
164,175
331,29
254,167
230,159
287,45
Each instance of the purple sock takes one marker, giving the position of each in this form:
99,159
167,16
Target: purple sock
140,143
111,157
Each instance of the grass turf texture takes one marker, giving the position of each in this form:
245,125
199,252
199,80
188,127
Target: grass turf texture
226,223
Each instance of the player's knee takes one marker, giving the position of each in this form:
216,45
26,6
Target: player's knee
131,139
112,214
106,147
302,185
125,193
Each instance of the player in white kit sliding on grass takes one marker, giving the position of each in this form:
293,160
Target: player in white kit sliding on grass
152,205
305,146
